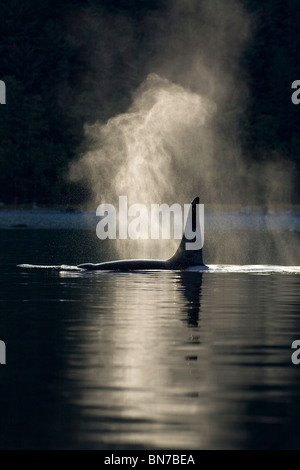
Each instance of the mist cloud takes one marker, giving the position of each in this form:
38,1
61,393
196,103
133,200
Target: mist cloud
181,136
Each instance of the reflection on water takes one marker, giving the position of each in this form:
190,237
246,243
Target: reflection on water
144,361
185,360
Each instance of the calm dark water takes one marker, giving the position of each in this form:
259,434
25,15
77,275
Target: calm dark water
177,360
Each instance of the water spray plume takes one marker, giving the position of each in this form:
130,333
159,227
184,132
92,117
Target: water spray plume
144,153
138,153
181,134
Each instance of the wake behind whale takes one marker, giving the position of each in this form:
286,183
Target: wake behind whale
212,269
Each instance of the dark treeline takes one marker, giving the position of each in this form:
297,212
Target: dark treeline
63,69
272,61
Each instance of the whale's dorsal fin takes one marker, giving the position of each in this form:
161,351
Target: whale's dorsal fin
184,257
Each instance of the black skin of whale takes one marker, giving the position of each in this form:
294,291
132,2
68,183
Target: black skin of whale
182,259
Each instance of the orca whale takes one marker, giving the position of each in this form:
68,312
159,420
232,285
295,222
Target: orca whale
182,259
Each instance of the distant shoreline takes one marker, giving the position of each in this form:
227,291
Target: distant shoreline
211,207
76,219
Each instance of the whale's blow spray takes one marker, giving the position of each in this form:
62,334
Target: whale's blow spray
145,154
181,134
139,153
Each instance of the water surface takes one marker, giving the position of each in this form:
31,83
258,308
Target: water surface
177,360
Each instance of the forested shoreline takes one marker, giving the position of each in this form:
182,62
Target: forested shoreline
58,79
